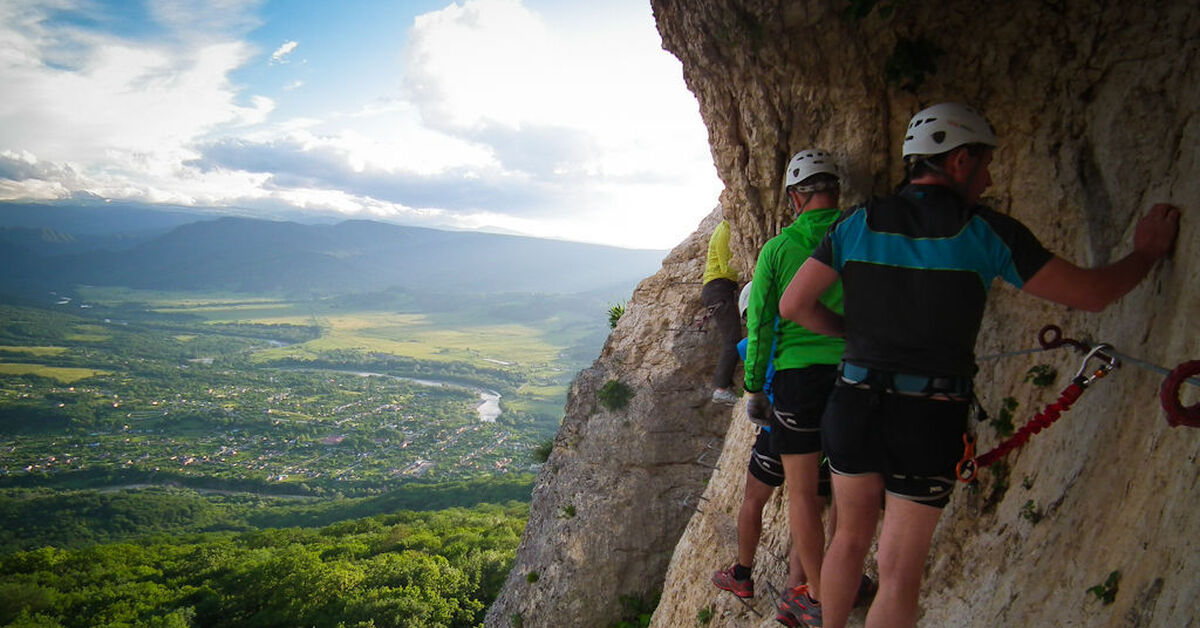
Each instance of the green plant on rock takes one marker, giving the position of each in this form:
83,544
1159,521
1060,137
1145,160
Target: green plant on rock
1107,592
1030,512
615,312
1041,375
516,621
614,395
532,577
541,453
704,616
1003,423
567,512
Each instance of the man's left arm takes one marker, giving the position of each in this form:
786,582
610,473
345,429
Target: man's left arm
801,301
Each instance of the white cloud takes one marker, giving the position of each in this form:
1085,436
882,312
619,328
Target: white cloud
586,105
509,119
281,53
123,101
477,63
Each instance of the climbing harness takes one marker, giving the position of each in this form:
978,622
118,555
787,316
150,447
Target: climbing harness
1051,337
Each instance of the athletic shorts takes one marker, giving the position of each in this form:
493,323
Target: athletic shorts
764,464
914,442
800,396
766,467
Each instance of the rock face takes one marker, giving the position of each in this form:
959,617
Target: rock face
1095,105
621,482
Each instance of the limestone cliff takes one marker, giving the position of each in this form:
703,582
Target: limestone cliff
1095,104
622,480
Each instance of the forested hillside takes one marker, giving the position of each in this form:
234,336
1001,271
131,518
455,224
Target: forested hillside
410,570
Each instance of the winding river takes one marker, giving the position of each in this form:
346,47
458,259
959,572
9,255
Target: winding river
489,400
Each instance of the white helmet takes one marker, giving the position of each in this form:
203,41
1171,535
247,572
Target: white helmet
744,299
808,162
944,127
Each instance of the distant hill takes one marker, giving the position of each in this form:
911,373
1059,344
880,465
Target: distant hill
97,218
249,255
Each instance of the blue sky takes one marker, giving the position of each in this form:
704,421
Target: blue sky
560,119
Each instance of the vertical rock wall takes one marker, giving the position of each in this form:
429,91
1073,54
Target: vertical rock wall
1096,107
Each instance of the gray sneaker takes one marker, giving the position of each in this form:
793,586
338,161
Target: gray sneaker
802,607
722,395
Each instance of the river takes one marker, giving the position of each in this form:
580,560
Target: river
489,400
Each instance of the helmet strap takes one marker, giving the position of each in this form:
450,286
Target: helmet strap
811,190
798,191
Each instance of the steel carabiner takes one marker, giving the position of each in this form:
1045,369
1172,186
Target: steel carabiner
1084,377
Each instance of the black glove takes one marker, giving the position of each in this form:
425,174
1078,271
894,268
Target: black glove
758,408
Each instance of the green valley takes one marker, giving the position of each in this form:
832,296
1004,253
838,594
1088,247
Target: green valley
180,459
274,396
247,423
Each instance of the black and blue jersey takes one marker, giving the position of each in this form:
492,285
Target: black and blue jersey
916,268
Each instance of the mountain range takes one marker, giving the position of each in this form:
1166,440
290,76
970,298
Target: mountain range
48,246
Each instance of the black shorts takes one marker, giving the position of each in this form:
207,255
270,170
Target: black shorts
914,442
766,467
764,464
800,396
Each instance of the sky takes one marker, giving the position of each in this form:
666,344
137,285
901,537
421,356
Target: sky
552,118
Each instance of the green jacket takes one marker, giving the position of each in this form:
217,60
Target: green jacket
795,346
718,265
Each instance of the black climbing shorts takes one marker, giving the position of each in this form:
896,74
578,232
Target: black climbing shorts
764,464
800,396
914,442
766,467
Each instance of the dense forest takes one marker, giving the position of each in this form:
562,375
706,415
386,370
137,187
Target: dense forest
33,518
410,569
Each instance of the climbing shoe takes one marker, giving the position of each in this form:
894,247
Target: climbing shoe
785,617
866,591
721,395
802,607
724,580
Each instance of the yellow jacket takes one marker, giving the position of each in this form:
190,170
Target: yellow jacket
719,257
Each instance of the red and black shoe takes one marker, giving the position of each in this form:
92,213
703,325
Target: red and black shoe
798,603
724,580
786,618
